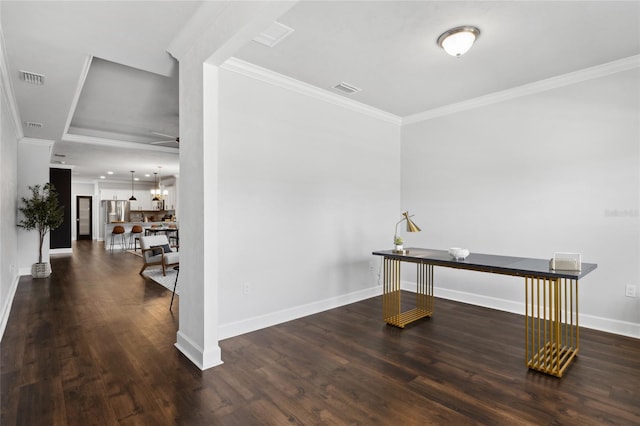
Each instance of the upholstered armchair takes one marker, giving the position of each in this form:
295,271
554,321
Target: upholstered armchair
156,251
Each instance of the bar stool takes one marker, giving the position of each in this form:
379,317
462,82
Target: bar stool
118,230
136,233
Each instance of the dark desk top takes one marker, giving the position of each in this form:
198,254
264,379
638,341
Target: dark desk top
508,265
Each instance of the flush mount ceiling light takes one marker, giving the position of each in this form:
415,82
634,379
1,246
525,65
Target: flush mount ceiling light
457,41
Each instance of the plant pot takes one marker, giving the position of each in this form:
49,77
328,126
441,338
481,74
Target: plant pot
40,270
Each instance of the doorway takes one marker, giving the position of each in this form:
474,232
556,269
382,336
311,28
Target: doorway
84,213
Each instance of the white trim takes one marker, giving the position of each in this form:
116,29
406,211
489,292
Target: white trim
76,95
248,325
607,325
63,250
196,354
68,137
528,89
271,77
8,302
8,93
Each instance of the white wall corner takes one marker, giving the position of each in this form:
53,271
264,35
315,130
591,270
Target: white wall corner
201,358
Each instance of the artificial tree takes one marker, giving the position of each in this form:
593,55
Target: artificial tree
41,212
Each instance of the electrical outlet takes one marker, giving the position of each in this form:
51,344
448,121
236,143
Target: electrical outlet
630,290
246,288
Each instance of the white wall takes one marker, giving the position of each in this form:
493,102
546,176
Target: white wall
8,209
307,190
553,171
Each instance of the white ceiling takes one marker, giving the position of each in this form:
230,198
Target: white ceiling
101,114
388,49
127,91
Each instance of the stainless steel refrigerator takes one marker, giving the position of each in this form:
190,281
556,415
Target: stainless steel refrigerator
115,211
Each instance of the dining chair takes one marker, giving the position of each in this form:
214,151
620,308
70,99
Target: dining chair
156,251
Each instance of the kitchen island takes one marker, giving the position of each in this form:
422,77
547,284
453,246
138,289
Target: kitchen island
108,228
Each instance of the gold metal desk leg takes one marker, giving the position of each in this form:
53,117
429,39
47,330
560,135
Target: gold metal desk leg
391,297
551,324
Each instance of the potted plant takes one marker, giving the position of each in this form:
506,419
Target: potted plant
398,241
42,212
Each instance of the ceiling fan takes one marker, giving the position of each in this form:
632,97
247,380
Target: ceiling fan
173,139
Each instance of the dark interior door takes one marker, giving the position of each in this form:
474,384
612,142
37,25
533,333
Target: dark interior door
84,214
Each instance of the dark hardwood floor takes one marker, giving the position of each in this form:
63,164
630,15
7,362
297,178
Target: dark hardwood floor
93,345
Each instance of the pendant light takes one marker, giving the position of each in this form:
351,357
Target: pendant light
132,197
155,185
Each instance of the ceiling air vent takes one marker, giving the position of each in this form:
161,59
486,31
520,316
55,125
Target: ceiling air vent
346,88
33,125
32,77
273,35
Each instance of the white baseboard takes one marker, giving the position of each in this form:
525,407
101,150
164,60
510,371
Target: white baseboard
588,321
608,325
24,270
8,302
203,360
65,250
237,328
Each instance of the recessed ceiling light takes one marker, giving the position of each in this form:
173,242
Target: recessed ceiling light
109,173
102,177
147,175
136,178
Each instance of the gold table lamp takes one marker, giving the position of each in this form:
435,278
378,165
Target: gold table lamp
411,227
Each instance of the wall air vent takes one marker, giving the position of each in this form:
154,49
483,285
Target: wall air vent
33,125
273,35
32,77
346,88
60,155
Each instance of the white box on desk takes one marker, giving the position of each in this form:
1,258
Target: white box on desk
566,261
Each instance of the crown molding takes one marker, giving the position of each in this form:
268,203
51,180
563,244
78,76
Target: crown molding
7,92
563,80
271,77
69,137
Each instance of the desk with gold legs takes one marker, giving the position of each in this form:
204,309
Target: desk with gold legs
551,299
